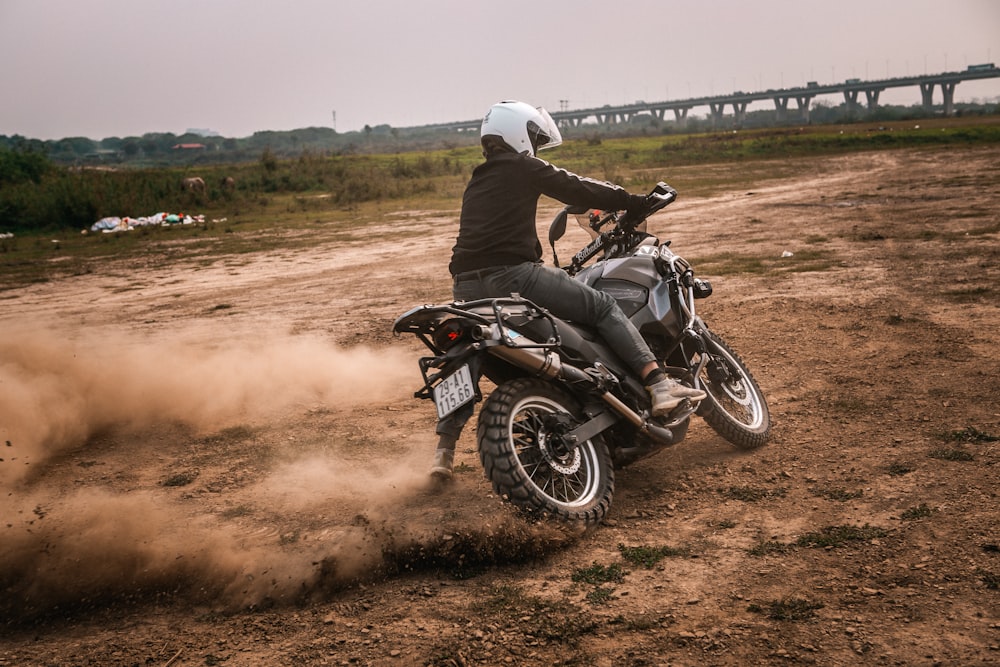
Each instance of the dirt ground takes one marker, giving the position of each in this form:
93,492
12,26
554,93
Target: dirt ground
221,462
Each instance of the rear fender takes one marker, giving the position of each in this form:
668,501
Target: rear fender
435,369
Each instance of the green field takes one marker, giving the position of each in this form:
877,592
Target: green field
49,211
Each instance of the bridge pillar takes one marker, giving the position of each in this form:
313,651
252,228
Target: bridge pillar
781,108
927,93
739,113
851,100
680,117
803,103
948,89
717,110
872,95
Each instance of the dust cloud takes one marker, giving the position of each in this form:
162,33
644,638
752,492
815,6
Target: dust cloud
311,526
55,393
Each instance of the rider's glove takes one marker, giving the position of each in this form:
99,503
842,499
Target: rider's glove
638,207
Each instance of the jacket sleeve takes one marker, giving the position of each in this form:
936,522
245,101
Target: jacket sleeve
574,190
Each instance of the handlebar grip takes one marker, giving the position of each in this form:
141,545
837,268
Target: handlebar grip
665,197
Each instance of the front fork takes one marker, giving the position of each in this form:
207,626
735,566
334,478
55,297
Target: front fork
691,340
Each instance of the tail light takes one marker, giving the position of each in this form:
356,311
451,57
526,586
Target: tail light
453,331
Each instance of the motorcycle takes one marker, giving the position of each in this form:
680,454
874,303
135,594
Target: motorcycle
566,411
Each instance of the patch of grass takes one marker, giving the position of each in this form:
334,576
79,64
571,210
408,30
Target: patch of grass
982,230
181,479
600,574
504,598
647,556
838,494
969,434
835,536
921,511
236,433
463,571
768,547
640,623
600,595
787,609
898,469
804,261
731,263
852,405
559,621
968,295
750,494
950,454
867,235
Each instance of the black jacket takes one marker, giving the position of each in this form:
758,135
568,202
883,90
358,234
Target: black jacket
497,225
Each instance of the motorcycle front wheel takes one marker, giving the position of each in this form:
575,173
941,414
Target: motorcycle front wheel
530,465
735,407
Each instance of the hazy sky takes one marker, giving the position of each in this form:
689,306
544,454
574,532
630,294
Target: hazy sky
100,68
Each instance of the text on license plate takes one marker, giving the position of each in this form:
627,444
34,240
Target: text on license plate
454,391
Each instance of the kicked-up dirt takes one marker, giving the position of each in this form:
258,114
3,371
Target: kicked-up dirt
221,462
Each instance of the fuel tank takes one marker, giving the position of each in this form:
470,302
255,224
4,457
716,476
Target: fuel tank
638,288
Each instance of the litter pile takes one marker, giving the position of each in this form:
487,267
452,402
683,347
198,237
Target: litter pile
116,224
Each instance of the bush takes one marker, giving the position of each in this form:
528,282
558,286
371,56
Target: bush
22,166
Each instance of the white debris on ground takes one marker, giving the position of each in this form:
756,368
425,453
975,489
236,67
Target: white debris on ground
113,224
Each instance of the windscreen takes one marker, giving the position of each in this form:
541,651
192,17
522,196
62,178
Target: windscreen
594,215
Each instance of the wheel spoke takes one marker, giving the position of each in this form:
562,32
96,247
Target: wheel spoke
559,478
527,431
571,486
736,409
743,412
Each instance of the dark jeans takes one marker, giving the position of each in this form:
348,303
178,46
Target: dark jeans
562,296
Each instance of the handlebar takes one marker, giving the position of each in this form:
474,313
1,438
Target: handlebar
620,238
662,193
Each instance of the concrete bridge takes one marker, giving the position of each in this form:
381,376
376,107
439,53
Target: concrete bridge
851,89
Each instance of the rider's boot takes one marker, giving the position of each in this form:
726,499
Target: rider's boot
444,458
667,394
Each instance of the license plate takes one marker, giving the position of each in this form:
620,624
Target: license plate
454,391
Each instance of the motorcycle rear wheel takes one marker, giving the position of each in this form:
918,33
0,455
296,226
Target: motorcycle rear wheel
529,465
735,408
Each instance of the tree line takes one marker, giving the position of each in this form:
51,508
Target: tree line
168,149
55,185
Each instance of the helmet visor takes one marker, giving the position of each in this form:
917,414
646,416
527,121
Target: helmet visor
545,135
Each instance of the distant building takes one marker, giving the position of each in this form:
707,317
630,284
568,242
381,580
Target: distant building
188,147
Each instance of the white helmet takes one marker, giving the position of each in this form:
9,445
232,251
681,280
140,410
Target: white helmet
521,126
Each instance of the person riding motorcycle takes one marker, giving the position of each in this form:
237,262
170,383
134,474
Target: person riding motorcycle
497,251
